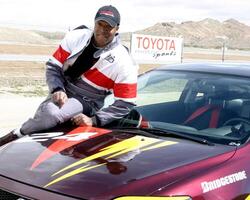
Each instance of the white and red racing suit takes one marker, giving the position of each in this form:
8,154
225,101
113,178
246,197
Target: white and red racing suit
114,72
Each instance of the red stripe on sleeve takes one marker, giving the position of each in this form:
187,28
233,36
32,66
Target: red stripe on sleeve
61,55
99,78
125,90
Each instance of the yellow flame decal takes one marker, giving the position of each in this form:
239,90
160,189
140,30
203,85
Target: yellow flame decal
137,142
123,147
72,173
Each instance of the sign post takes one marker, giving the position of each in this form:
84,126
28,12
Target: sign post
156,49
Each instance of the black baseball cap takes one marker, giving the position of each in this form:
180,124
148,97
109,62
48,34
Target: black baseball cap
108,14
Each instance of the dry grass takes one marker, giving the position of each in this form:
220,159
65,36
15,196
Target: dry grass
24,78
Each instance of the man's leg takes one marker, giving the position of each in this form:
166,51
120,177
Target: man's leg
48,115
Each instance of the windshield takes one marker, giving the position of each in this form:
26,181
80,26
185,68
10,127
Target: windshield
210,106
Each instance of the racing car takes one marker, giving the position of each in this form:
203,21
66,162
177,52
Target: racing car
187,139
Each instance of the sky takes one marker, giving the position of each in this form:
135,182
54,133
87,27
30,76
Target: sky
61,15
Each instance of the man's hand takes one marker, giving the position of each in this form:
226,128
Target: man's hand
82,120
59,98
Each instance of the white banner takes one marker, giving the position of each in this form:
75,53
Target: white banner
156,49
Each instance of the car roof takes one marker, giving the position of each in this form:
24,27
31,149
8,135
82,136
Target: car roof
238,69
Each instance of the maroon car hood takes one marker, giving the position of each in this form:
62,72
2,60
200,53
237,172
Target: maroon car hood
88,162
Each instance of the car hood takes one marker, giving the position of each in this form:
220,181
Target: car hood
87,162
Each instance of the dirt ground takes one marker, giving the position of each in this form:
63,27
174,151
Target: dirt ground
27,49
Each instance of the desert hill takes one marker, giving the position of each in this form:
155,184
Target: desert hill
19,36
207,33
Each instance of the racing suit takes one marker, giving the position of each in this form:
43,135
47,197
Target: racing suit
113,72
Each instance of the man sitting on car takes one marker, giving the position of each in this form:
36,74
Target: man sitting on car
87,66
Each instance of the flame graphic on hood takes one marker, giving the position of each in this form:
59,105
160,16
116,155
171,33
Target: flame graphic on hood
63,143
120,148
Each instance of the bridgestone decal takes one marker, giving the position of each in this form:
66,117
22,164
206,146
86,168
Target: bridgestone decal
223,181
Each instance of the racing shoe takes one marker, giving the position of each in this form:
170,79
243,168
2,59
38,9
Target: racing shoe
8,138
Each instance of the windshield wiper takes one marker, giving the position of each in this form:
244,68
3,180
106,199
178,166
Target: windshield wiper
154,132
137,131
171,133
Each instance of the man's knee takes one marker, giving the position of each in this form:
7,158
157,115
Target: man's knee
52,113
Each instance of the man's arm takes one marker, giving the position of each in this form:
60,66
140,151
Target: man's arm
54,77
54,73
55,81
125,93
117,110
